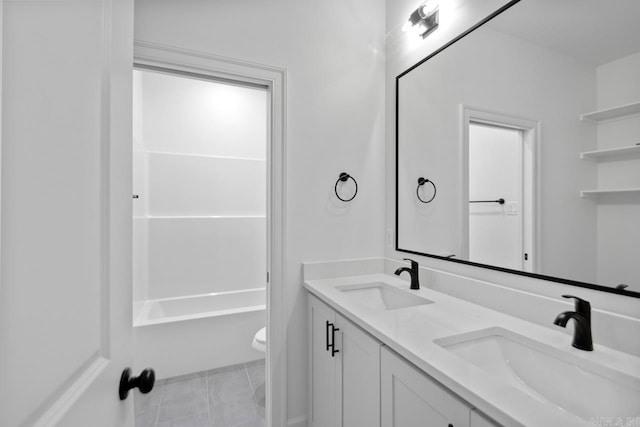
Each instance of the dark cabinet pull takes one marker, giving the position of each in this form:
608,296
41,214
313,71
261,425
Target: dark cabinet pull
144,382
327,334
331,344
333,341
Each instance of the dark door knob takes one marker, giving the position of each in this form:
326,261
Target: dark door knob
144,382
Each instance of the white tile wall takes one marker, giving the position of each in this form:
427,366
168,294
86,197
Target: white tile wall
200,185
186,115
201,255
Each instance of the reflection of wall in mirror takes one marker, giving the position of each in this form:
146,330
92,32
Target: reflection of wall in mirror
501,73
432,155
619,223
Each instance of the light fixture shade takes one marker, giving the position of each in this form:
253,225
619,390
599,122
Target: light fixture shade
423,29
428,7
425,19
416,16
430,23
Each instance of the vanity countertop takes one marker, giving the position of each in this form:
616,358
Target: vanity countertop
411,332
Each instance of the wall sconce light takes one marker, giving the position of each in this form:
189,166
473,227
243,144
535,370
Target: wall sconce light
424,19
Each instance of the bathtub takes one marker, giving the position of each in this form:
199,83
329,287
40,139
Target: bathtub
178,336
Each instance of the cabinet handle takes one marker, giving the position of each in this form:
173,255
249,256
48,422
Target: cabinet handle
333,341
331,346
327,337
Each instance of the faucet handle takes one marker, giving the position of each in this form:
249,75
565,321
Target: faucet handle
414,264
582,306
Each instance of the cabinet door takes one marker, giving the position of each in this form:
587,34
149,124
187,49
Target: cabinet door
409,398
358,373
322,365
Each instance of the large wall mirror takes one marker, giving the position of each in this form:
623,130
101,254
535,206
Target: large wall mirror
518,145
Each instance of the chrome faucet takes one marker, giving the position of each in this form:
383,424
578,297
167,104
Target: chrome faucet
582,316
413,272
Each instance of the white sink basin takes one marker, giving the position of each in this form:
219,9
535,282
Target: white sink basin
381,296
584,389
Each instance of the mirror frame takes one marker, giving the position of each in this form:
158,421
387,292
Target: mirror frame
465,33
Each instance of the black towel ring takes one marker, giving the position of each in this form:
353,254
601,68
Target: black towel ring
421,182
344,177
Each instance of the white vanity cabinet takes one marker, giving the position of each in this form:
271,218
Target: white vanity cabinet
409,398
344,366
355,381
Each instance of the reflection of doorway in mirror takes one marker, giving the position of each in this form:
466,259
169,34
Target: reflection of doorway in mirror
500,203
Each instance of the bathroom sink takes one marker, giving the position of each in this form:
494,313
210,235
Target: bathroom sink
381,296
582,388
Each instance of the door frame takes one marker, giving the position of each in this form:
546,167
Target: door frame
531,130
170,58
1,68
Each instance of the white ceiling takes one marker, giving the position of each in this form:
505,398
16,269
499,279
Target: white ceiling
594,31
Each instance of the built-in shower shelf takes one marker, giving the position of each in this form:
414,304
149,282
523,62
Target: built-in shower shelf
620,191
204,216
612,113
629,152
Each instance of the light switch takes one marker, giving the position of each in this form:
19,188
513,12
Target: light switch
511,208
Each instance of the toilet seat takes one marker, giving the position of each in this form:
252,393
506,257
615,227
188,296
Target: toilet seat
260,340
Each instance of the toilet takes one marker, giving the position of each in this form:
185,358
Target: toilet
260,340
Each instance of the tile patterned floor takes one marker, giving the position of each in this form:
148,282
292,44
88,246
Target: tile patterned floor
227,397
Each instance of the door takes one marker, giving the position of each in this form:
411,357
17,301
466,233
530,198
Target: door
500,213
65,290
496,171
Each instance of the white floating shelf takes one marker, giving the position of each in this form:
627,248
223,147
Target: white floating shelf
622,191
630,152
612,113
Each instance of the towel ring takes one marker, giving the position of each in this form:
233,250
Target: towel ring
344,177
421,182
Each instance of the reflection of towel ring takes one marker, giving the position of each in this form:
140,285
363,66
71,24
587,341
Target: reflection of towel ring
421,182
344,177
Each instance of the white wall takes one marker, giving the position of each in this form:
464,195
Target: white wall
202,117
333,52
192,185
618,228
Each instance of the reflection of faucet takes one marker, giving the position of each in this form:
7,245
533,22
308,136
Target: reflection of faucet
582,316
413,271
